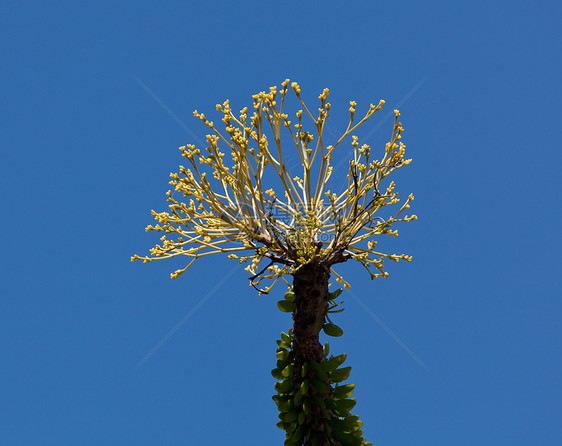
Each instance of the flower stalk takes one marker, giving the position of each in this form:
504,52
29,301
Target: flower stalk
255,210
233,210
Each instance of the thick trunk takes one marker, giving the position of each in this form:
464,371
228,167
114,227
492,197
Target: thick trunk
310,287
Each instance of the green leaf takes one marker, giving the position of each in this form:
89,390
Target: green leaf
352,423
334,362
283,344
291,428
340,375
322,405
319,370
296,437
304,370
320,386
347,440
285,306
334,305
342,434
342,392
289,296
284,406
290,416
289,370
304,387
284,386
282,355
344,406
331,404
335,294
326,349
332,330
285,337
282,364
276,373
319,402
336,311
306,407
283,397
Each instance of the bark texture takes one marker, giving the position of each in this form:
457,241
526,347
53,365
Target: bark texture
310,286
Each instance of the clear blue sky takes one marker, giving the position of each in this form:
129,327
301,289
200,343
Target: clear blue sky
86,154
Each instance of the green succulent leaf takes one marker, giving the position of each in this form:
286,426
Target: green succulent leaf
288,371
283,344
326,349
345,406
282,364
289,296
343,435
358,433
336,311
342,392
304,387
335,305
283,397
335,294
282,355
332,330
319,402
296,437
319,370
276,373
349,440
331,404
306,406
322,405
319,386
284,386
284,406
290,416
334,362
285,306
352,423
340,375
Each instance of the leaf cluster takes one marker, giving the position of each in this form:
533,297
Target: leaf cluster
314,404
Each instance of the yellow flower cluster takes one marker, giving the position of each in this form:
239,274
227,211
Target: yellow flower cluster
234,208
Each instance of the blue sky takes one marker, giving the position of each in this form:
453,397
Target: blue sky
86,154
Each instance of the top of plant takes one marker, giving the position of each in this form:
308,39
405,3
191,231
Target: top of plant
235,210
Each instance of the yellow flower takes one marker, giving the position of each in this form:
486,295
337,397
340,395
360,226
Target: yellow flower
227,211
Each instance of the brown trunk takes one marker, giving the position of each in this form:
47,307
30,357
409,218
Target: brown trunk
310,286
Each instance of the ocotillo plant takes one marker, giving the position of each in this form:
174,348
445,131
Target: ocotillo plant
256,211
